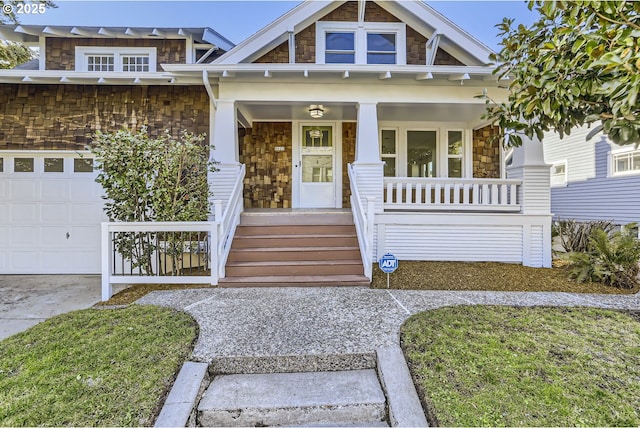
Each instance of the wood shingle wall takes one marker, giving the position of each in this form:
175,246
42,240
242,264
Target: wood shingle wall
62,117
486,154
348,156
61,52
268,179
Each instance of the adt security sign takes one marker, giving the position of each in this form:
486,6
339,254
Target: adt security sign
388,263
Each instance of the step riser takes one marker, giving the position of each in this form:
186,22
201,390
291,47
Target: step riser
295,229
294,241
296,219
233,271
284,256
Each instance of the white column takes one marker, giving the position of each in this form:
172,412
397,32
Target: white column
367,150
534,198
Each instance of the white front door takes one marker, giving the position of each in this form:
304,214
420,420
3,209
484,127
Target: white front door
317,167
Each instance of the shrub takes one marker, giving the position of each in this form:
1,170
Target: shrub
574,235
612,260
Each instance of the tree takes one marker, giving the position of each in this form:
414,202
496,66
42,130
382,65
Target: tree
578,64
152,179
13,54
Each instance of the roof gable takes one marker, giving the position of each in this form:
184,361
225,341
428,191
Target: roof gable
422,21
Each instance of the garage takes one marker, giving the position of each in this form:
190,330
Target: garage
50,213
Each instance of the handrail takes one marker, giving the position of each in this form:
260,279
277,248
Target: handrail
364,222
229,220
460,194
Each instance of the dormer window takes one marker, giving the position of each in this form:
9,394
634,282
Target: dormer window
123,59
368,43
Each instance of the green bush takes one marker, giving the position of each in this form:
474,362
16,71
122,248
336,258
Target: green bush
574,235
612,260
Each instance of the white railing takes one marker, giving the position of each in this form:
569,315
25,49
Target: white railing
364,221
203,248
431,194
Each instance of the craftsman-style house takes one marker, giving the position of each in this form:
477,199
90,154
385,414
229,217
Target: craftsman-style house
364,107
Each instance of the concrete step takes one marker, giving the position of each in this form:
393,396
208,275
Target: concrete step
294,253
295,229
294,281
298,240
316,217
286,399
303,267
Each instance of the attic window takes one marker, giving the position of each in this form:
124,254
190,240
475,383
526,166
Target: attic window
372,43
123,59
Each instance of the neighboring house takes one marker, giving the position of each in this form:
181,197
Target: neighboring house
593,179
388,87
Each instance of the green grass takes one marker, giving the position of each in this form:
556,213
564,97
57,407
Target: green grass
93,367
506,366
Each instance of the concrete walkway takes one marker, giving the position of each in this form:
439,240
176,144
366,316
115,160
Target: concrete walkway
264,330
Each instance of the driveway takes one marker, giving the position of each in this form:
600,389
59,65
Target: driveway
26,300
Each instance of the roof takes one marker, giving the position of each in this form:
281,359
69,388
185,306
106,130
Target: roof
416,14
32,33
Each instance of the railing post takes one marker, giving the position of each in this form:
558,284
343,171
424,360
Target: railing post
214,251
107,290
371,206
217,210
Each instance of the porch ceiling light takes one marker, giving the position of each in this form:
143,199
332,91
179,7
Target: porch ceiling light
316,111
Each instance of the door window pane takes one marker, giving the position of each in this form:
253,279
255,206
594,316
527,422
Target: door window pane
317,136
317,168
53,165
23,165
82,165
421,153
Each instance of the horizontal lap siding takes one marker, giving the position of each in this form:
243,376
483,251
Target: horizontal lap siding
455,242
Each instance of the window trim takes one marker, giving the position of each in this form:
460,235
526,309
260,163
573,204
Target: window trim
628,151
361,30
559,183
83,52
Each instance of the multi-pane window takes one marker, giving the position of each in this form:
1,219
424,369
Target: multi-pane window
626,162
104,59
388,151
559,174
455,152
340,48
100,63
369,43
381,48
135,63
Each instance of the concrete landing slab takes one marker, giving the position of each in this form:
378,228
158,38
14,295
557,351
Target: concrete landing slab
293,399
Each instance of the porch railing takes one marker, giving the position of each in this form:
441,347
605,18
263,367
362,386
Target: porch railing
364,222
170,252
406,193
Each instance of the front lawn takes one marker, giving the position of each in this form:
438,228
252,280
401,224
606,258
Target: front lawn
93,367
539,366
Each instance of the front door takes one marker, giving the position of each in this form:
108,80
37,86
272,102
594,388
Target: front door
317,167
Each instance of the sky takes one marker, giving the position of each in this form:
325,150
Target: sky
237,20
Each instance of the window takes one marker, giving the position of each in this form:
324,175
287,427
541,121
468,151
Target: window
421,153
626,163
23,165
455,152
1,164
82,165
115,59
371,43
53,165
388,151
559,174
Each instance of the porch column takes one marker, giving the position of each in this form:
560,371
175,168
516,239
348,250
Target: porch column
534,198
367,164
224,150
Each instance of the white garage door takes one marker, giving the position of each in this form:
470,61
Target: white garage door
50,213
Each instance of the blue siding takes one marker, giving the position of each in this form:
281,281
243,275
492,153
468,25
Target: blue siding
600,197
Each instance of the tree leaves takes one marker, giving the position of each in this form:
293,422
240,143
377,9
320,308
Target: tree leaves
578,64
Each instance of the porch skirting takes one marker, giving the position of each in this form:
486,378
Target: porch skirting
467,237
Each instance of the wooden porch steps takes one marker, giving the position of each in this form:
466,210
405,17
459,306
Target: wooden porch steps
288,248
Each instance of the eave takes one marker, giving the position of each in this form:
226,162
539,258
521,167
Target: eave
93,78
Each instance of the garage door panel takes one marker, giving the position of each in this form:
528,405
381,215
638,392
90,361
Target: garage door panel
53,236
24,190
85,236
4,213
23,261
4,188
53,190
24,237
51,213
84,190
24,213
86,213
